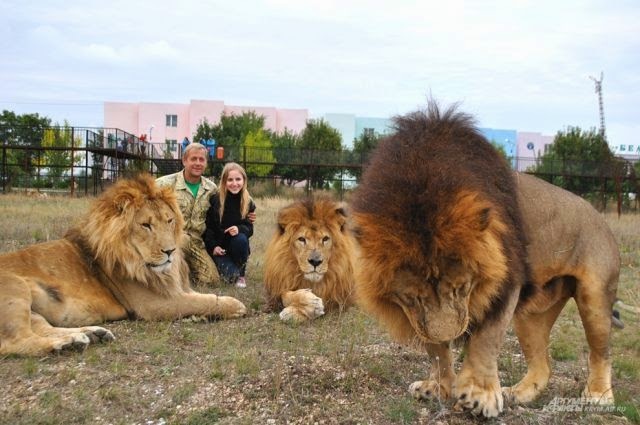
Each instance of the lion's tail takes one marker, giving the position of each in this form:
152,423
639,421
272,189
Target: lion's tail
617,322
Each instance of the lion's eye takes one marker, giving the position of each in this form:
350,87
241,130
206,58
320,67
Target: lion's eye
170,221
325,239
301,239
146,225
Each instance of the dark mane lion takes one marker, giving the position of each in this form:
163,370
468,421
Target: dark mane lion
443,250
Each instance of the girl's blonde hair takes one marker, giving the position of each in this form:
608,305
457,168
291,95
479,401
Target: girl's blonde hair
244,192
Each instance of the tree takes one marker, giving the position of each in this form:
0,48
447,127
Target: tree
578,161
230,133
58,161
21,130
323,144
362,148
258,148
285,147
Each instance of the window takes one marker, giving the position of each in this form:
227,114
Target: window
172,120
172,144
369,132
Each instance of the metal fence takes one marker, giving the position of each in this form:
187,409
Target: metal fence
102,155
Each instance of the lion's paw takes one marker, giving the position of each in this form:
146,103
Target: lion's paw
486,400
520,393
424,390
76,341
598,397
98,334
231,308
292,314
312,305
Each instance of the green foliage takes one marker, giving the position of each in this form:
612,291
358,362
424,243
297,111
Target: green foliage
362,148
500,149
579,160
324,144
285,148
21,130
58,162
259,149
233,129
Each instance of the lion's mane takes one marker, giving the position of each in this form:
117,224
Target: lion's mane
104,235
434,193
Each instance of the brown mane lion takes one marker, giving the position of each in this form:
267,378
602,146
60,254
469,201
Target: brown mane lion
309,260
122,260
442,250
444,228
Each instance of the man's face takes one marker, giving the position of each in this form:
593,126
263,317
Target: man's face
195,162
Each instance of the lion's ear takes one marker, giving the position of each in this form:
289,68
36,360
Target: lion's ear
484,218
287,216
122,200
341,217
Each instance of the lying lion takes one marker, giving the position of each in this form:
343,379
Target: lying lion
443,225
123,260
309,261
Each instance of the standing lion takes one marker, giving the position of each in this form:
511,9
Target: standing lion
442,250
123,260
445,228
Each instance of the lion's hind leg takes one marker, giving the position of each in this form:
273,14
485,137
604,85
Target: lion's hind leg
301,305
41,327
533,330
595,301
17,335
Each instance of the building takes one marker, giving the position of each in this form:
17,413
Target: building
170,123
352,127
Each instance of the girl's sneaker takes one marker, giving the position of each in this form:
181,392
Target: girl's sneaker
241,282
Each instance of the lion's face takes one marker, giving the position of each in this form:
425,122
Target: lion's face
153,235
136,229
312,248
437,306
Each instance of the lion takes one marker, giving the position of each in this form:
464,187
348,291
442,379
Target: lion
454,244
309,262
572,254
443,253
122,260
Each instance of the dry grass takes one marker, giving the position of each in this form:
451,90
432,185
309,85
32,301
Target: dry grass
340,369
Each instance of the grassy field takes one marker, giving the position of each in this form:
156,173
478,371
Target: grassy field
257,370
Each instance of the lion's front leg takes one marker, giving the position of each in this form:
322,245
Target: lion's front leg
152,306
441,377
477,387
301,305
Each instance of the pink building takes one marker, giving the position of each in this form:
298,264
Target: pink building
170,123
530,146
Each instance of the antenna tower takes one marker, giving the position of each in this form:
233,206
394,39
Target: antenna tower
598,84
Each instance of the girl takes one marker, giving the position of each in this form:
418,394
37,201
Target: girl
228,228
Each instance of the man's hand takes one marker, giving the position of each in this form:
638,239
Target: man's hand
218,251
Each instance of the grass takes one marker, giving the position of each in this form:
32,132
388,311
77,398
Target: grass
341,369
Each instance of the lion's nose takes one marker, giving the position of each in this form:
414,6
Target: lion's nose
315,262
168,251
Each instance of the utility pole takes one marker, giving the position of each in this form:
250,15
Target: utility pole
598,84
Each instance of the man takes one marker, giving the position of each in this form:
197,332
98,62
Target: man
193,191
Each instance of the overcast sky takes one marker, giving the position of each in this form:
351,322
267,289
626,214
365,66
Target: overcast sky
522,65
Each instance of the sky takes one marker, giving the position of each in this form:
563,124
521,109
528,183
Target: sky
516,64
